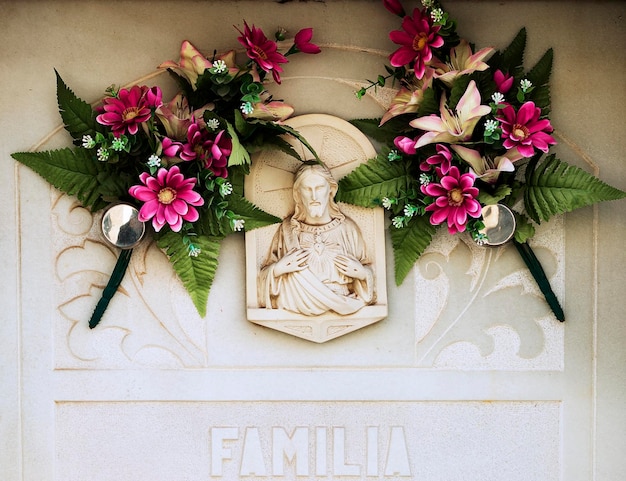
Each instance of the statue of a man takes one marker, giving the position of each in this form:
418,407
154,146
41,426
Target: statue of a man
317,261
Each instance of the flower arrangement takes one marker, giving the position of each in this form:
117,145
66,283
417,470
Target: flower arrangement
467,129
181,162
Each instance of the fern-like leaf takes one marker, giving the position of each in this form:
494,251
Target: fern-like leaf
196,273
71,171
409,243
512,57
78,117
253,216
555,187
370,182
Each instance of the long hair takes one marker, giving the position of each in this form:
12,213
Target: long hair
299,213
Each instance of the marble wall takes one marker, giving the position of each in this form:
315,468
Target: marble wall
469,376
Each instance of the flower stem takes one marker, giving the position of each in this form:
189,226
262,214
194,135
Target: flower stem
533,264
114,282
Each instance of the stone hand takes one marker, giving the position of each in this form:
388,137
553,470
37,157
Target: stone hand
295,260
350,267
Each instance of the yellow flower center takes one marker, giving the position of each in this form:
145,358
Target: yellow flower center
167,195
260,52
455,197
420,41
520,131
130,113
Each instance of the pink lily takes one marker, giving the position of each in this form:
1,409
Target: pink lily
408,100
462,62
193,63
176,116
485,168
274,111
452,127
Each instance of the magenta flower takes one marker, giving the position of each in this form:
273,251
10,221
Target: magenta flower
443,159
503,81
416,39
523,129
395,7
129,109
455,200
168,199
211,150
263,51
217,161
405,144
302,41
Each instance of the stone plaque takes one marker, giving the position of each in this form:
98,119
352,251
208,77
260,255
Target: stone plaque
320,273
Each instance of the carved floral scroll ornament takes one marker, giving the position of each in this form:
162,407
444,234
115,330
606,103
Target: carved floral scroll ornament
464,141
178,165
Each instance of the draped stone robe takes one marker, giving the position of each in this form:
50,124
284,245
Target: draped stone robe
320,287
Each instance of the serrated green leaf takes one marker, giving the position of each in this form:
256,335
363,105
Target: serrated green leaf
196,273
274,129
253,216
383,134
554,187
373,180
78,116
540,73
71,171
409,243
512,57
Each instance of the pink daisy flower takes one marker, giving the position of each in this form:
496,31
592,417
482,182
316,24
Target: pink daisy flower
168,198
443,159
455,200
129,109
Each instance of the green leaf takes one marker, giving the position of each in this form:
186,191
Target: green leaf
540,77
196,273
370,182
383,134
273,129
239,155
512,57
554,187
500,193
409,243
253,216
524,230
78,116
74,172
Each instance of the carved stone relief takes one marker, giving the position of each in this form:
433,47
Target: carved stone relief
315,275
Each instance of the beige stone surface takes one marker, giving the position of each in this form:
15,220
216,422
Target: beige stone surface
467,347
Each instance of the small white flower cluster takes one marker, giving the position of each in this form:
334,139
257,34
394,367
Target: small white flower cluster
119,143
437,15
237,224
497,98
387,202
226,188
410,210
154,161
425,179
490,126
213,124
219,66
88,142
194,250
428,3
103,154
247,108
398,222
525,85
